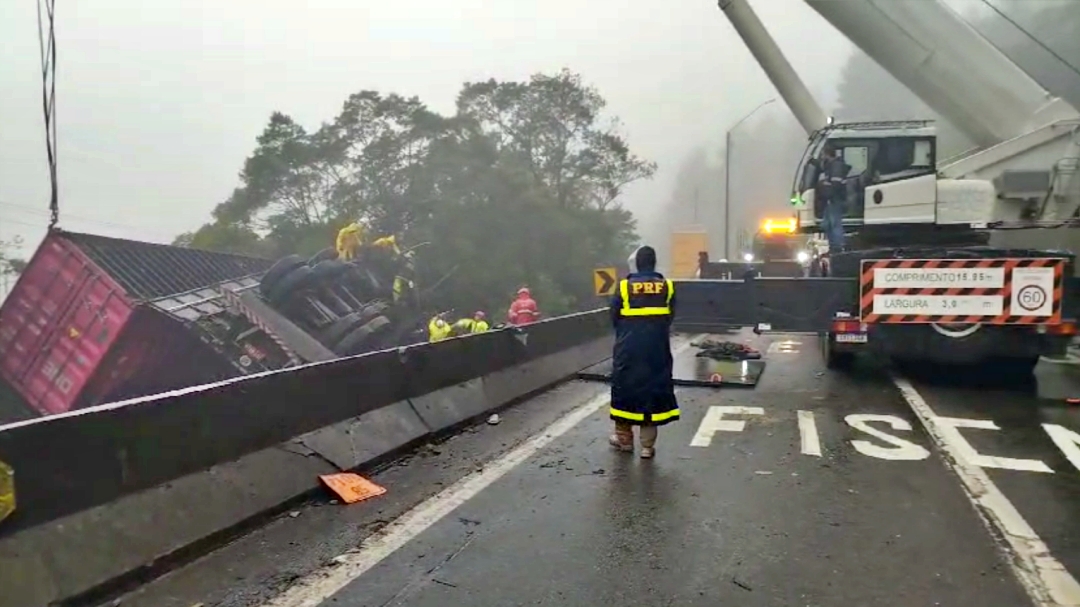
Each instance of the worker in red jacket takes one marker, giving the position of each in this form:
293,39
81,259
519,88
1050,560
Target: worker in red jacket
523,309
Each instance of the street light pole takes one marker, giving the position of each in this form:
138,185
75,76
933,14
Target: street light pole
727,176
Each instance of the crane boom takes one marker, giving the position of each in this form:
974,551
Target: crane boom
765,50
949,65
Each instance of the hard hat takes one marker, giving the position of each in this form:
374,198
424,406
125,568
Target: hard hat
523,291
479,314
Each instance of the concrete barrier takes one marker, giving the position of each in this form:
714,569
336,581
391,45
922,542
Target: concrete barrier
105,491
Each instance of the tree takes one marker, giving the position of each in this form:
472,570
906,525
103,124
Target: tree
552,126
520,186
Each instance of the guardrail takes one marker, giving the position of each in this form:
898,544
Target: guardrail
77,473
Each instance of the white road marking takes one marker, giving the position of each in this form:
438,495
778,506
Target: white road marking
1066,440
320,585
949,429
714,422
901,450
1046,580
808,434
784,346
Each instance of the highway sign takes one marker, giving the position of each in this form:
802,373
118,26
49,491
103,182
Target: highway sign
604,281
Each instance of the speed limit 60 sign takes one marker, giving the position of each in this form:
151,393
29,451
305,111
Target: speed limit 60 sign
1033,291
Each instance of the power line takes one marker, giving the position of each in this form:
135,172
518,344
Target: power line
1024,31
48,99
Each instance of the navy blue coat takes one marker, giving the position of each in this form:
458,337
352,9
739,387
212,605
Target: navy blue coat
642,390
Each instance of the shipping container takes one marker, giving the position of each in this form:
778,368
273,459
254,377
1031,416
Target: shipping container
76,298
686,245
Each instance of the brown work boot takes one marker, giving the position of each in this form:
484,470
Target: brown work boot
623,438
648,441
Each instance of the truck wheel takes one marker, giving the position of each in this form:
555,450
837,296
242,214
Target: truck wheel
340,328
279,270
354,341
328,269
839,361
323,255
290,284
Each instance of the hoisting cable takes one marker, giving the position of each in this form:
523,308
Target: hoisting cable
47,46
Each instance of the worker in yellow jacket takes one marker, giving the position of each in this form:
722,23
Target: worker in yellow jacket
439,329
349,240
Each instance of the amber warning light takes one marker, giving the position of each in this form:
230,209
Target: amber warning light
779,226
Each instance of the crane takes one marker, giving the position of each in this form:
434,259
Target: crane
947,260
1023,172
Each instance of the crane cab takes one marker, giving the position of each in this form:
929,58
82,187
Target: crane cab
890,173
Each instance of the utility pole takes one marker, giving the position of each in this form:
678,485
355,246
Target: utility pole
727,176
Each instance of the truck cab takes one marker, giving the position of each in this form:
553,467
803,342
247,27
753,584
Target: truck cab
891,174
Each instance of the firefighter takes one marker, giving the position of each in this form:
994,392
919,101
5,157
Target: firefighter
523,310
642,389
463,326
438,328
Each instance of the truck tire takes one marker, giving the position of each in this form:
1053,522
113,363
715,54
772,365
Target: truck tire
294,281
328,269
279,270
353,342
837,361
323,255
340,328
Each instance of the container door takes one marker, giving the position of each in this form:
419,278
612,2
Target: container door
82,337
685,247
51,326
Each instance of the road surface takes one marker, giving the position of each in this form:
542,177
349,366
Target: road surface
814,489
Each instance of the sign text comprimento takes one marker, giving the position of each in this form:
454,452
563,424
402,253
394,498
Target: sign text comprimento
994,291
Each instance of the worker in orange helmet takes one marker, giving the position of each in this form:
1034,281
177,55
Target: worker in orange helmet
523,310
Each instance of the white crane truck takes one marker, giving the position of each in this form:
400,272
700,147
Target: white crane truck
959,260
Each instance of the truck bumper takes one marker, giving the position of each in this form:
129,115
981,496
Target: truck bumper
923,342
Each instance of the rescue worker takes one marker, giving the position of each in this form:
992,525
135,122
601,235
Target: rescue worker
642,388
476,324
349,240
387,249
438,328
480,324
523,310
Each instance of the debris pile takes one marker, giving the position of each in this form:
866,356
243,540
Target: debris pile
725,350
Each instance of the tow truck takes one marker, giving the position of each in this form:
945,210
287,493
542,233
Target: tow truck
944,259
778,249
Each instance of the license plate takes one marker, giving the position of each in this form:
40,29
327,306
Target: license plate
851,338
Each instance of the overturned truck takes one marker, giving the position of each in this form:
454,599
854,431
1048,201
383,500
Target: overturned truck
94,319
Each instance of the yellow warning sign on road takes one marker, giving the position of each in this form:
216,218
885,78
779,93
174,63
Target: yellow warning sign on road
604,280
7,491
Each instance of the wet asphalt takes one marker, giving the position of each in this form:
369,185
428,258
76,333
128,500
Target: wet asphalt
744,518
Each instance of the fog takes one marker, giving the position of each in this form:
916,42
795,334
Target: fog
158,107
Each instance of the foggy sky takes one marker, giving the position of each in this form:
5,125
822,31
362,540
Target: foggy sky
158,107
